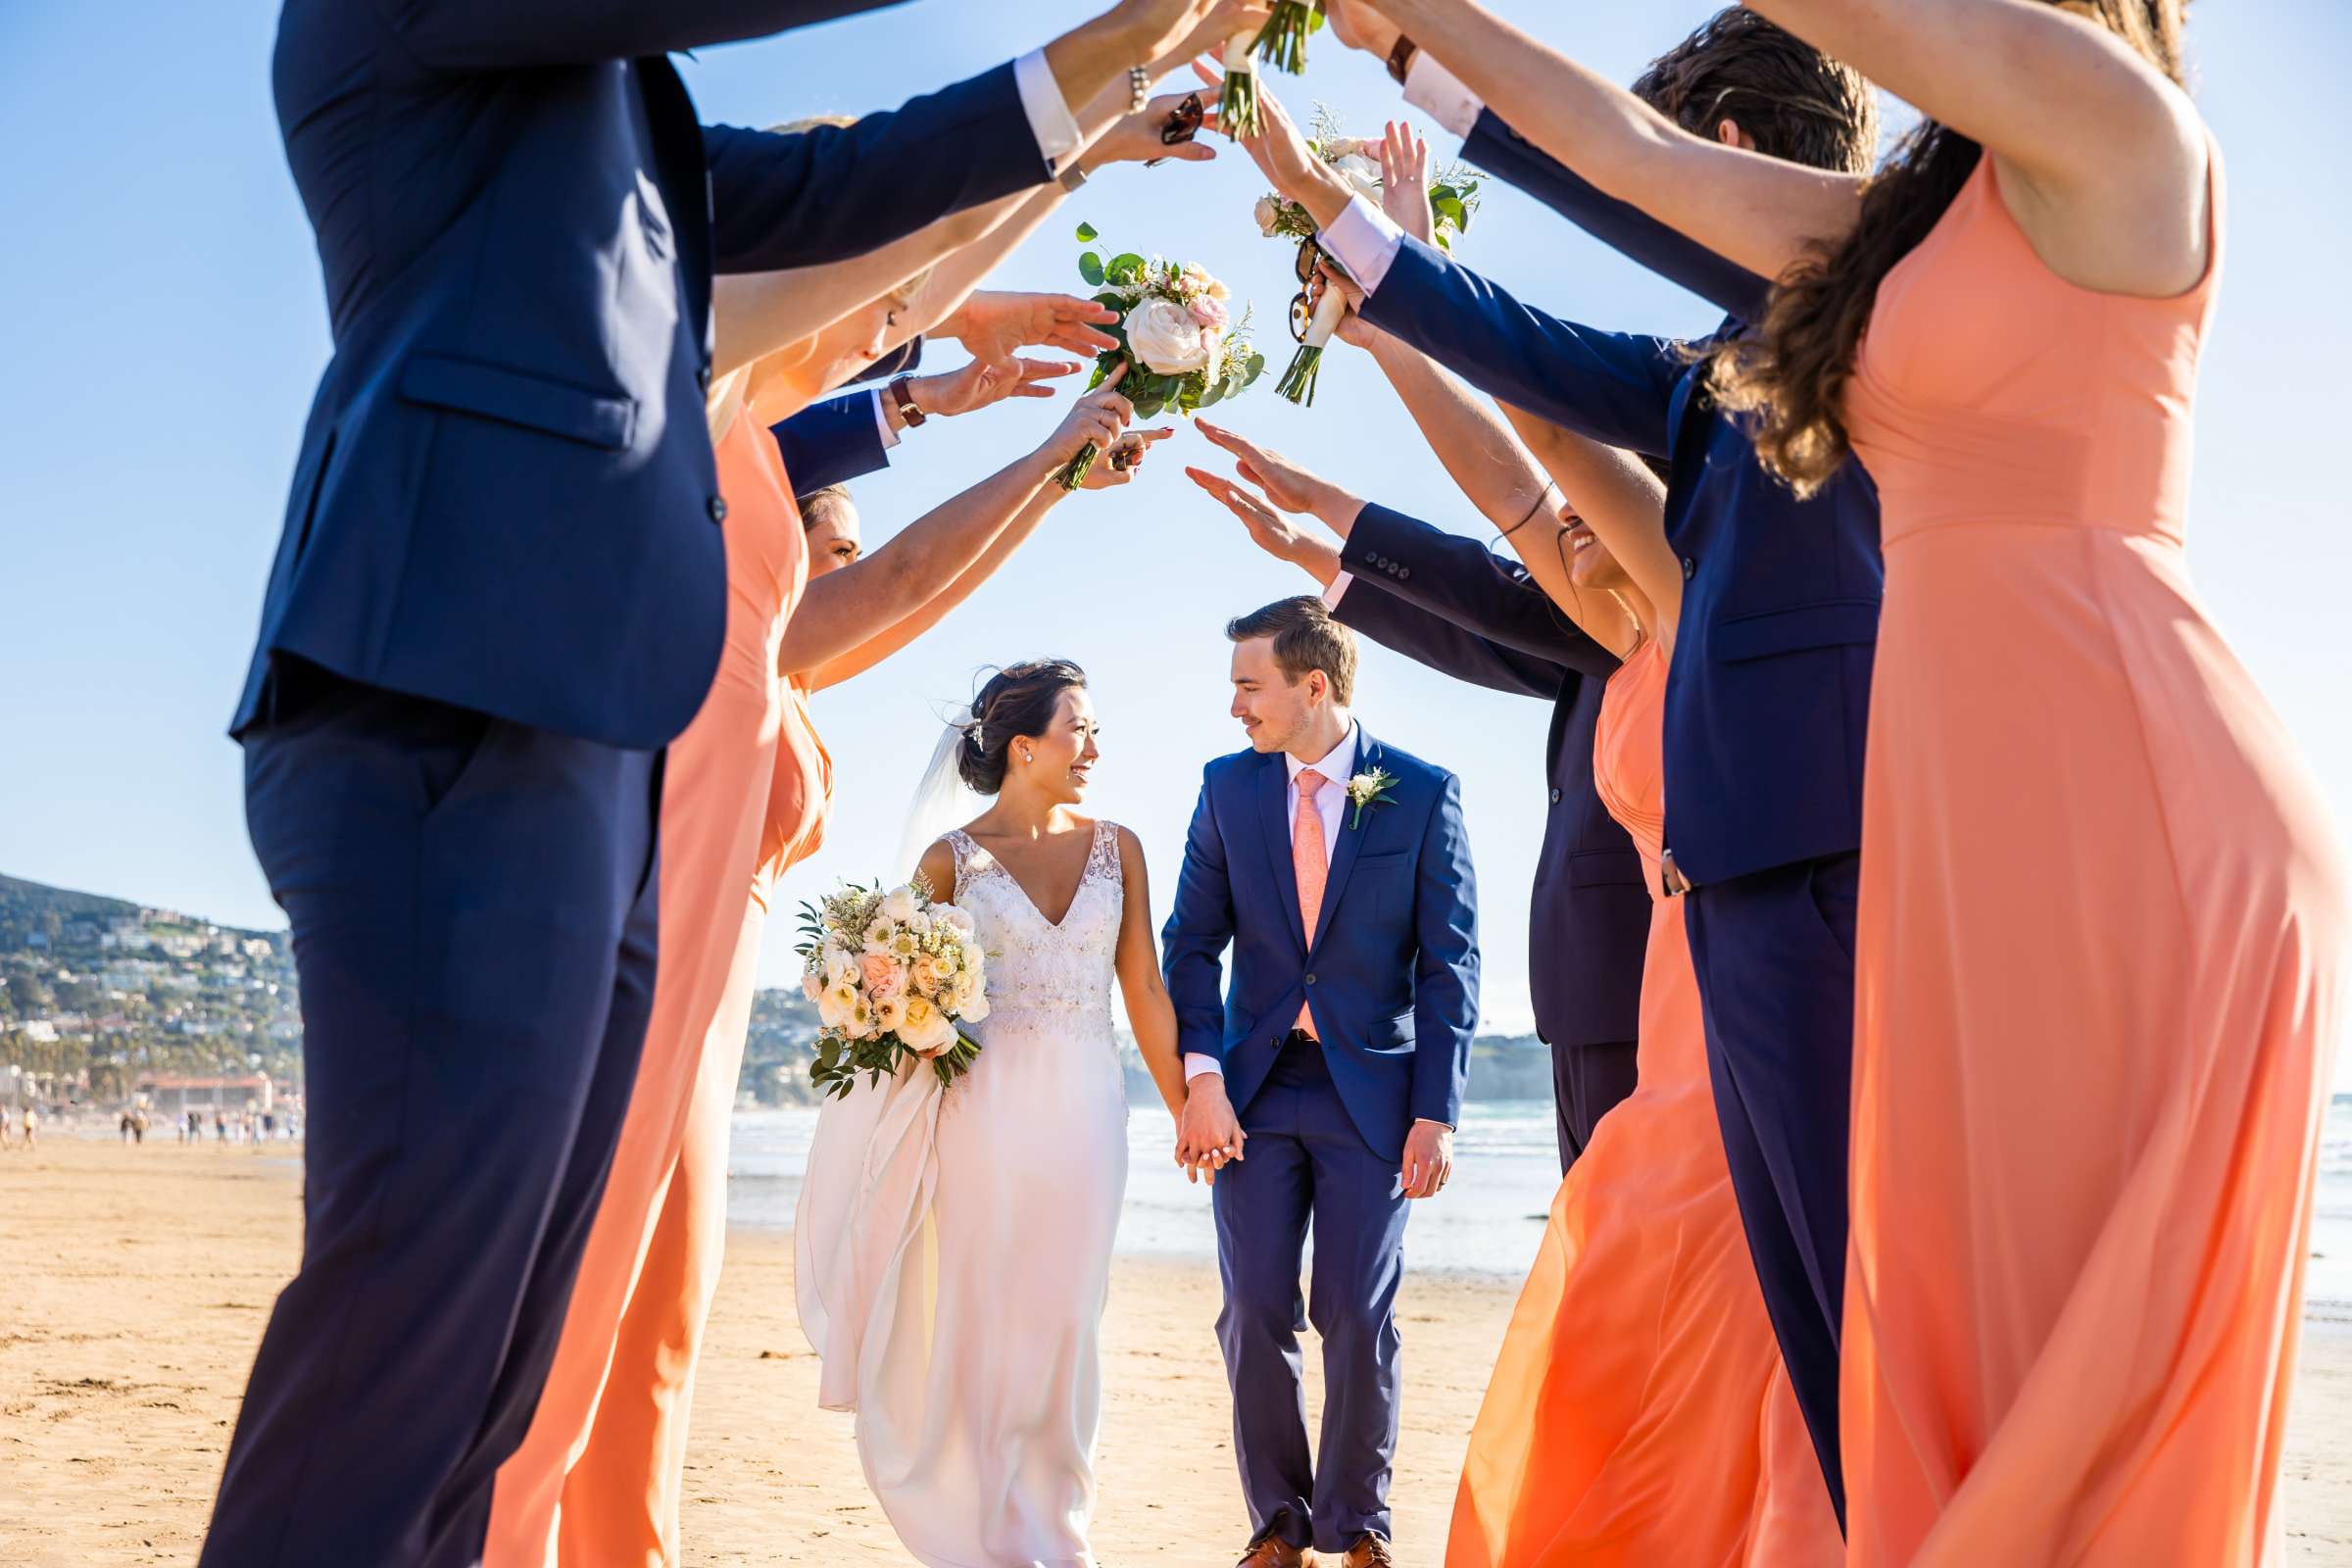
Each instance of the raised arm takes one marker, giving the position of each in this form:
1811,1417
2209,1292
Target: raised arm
1623,502
1149,1012
843,607
1758,212
514,34
832,442
2102,157
936,608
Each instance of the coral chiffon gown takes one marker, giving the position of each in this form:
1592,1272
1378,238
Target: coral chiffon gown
2100,948
1638,1415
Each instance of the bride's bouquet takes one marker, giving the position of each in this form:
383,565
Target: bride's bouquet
1316,311
894,975
1176,336
1281,43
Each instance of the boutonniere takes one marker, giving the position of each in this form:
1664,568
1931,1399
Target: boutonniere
1367,790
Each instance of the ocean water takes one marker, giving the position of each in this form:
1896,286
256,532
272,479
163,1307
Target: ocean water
1489,1220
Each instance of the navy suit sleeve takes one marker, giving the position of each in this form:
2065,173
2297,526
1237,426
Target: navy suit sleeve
831,443
1495,147
780,199
516,34
1372,608
1471,586
1199,928
1615,387
1446,980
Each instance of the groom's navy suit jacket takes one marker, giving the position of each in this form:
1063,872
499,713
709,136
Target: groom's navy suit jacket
1391,978
1770,690
506,498
1457,607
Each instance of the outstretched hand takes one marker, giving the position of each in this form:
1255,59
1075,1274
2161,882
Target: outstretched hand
1282,154
1404,182
1136,138
1101,418
1227,19
1277,536
1286,484
994,324
984,383
1124,460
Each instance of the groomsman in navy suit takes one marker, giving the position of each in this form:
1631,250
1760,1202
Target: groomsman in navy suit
500,592
1769,693
1338,870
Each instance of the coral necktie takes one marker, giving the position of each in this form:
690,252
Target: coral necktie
1311,862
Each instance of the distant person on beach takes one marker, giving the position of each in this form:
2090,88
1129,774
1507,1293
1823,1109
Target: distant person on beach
219,1127
33,1127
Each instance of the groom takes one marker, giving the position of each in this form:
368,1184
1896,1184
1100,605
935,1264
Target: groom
1339,872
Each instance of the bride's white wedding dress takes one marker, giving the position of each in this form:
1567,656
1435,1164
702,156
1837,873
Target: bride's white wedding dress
954,1247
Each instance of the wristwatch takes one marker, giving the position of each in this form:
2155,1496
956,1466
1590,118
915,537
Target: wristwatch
901,397
1073,177
1401,58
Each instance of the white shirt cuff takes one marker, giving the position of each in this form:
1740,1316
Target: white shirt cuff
1337,590
1366,241
890,437
1197,1065
1050,117
1440,94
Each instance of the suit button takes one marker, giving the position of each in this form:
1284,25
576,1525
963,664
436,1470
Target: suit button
1690,568
1404,572
1311,979
1556,795
701,379
718,509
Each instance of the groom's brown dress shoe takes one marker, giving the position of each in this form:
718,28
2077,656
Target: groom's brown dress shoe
1369,1551
1272,1552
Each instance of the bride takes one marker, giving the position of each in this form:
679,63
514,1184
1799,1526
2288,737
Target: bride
953,1246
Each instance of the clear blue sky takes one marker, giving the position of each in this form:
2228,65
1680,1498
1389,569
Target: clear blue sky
164,330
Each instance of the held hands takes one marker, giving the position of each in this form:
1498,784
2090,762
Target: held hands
1207,1135
1428,1159
1100,417
992,325
1354,330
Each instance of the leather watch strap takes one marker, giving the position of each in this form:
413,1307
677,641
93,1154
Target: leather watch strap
1401,58
901,397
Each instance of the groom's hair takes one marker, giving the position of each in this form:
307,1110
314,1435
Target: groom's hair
1305,638
1795,102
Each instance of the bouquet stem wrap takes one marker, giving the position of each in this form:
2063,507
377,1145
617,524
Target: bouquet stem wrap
1237,104
1297,384
1072,474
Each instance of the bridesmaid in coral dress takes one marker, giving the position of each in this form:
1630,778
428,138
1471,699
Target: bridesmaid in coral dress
1639,1412
2102,929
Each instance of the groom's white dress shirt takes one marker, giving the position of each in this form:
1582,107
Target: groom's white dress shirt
1337,766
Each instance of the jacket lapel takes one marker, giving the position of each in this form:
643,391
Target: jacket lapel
1272,788
1352,839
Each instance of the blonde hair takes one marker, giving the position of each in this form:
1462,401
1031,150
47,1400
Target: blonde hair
904,296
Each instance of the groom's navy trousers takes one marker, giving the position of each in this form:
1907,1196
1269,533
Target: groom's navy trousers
1766,708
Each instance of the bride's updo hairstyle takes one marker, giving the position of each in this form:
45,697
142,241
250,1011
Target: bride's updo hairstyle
1019,700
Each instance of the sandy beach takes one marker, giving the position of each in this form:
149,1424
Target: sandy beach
137,1281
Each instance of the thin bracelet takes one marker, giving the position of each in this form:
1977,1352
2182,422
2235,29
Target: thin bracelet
1549,486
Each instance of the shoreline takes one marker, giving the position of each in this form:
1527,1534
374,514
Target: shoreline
140,1280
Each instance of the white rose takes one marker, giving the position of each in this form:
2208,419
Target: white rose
1167,338
1268,214
1361,173
900,906
926,1028
839,963
837,1006
971,998
955,918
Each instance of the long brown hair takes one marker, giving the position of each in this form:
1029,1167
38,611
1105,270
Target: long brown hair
1791,373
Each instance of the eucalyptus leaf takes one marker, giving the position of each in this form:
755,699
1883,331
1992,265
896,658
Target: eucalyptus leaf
1090,267
1124,267
1087,233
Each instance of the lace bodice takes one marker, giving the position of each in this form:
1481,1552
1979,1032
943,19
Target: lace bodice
1040,973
